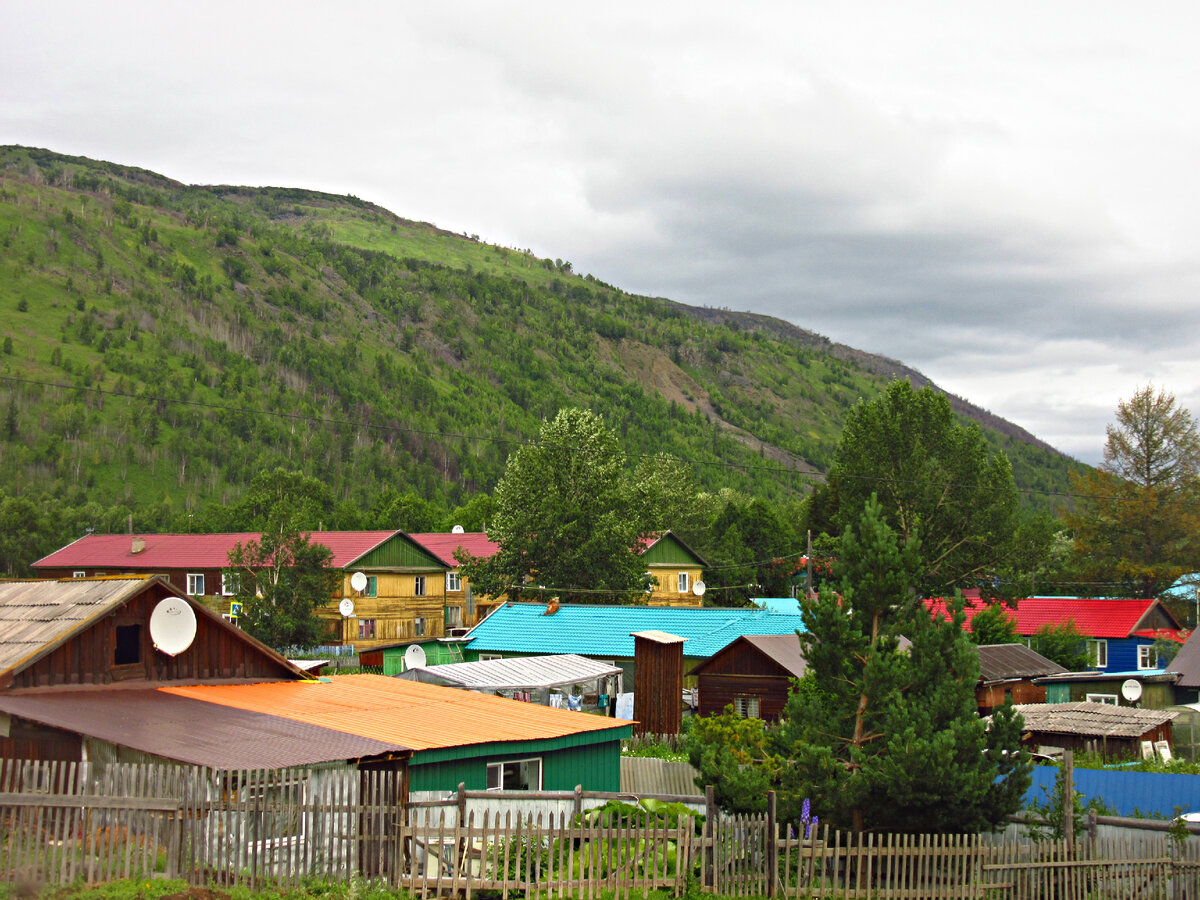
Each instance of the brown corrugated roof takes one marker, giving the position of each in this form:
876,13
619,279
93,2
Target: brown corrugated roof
407,713
191,731
1004,662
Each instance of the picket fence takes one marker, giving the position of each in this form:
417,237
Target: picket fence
60,822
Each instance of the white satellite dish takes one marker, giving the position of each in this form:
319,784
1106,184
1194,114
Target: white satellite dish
414,657
346,607
699,588
457,529
1131,690
172,626
358,581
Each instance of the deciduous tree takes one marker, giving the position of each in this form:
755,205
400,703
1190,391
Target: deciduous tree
281,580
1137,528
564,520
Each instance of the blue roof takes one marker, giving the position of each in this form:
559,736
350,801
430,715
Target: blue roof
605,630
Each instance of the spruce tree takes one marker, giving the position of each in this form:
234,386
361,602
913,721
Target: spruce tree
882,732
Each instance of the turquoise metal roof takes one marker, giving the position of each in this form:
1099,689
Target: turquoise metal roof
605,630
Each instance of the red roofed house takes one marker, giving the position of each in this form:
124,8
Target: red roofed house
1121,632
412,588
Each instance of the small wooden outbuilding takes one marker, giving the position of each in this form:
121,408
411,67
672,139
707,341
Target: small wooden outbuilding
753,674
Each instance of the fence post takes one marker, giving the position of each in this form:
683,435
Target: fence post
708,846
578,802
772,847
1091,829
1068,799
462,801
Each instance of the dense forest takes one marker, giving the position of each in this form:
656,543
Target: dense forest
164,344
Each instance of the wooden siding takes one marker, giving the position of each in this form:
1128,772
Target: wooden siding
29,740
658,687
670,552
89,657
718,691
398,552
989,696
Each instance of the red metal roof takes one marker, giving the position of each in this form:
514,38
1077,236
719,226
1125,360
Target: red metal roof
443,545
1098,618
198,551
399,712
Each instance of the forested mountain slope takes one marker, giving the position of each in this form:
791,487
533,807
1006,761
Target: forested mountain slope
164,343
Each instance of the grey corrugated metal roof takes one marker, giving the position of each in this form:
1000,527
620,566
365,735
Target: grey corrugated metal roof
517,673
36,616
1092,719
1003,662
650,775
192,731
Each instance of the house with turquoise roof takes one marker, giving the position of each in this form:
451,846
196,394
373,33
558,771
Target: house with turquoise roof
606,632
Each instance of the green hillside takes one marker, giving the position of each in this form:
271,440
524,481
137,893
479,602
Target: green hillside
164,343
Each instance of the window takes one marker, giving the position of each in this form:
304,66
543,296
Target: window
419,586
372,588
79,574
128,650
366,629
1110,699
453,581
195,584
453,616
746,707
419,626
1099,654
1147,658
517,775
230,582
483,656
683,582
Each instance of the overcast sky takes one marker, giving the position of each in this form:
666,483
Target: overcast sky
1004,197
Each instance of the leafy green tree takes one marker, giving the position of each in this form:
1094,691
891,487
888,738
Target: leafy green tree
993,625
564,519
276,495
937,482
887,738
281,580
735,755
1064,644
1138,524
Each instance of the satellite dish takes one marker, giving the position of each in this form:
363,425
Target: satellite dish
1131,690
414,657
699,588
457,529
346,607
358,581
172,626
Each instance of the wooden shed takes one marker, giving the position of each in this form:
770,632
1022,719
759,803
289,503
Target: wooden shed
1115,732
658,682
753,674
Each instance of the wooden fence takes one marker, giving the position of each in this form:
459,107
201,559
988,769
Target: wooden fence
64,821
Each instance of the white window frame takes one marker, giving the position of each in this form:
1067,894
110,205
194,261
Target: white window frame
372,588
230,583
366,629
195,584
453,581
747,706
454,616
1098,653
485,656
1147,658
497,769
418,626
79,573
683,582
418,585
1110,699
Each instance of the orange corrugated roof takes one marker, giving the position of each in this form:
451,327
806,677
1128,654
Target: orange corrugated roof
415,715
